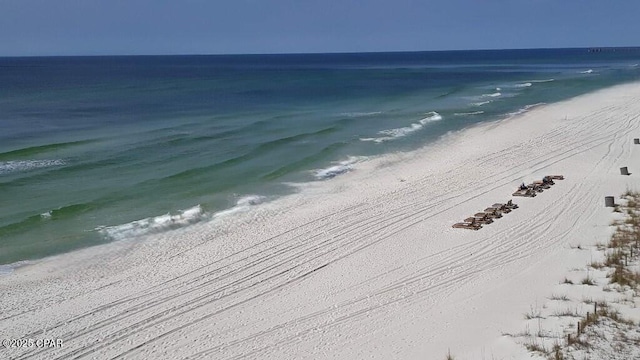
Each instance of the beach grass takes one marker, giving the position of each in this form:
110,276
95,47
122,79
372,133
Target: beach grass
593,329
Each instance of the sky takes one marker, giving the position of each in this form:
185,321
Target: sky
148,27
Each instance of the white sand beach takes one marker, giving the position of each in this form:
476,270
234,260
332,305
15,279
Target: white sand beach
364,265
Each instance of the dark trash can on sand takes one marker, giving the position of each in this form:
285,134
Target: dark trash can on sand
609,201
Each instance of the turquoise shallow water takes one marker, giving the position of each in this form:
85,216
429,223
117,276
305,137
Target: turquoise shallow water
96,149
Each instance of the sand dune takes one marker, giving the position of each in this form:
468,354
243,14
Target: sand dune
365,265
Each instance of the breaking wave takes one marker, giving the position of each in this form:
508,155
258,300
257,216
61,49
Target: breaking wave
469,113
495,94
392,134
541,81
7,167
153,225
183,218
586,71
522,85
524,109
340,168
242,204
433,116
481,103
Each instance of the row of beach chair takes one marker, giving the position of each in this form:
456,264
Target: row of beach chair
486,217
537,186
496,210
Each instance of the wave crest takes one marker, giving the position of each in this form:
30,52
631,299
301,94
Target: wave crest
338,169
153,224
7,167
524,109
392,134
242,204
541,81
433,116
469,113
183,218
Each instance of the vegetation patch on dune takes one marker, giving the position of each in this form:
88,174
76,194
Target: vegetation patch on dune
605,324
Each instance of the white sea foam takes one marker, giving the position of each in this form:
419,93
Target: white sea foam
332,171
403,131
495,94
392,134
340,168
481,103
26,165
153,224
511,86
377,140
524,109
469,113
242,204
183,218
433,116
586,71
541,81
251,200
46,215
7,269
524,84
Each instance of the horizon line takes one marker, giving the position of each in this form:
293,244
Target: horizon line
595,48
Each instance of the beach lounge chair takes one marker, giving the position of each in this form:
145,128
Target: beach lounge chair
502,208
466,226
482,218
471,225
547,180
535,187
556,177
493,212
541,184
511,205
525,193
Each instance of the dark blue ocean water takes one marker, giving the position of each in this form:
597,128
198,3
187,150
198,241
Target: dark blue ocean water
96,149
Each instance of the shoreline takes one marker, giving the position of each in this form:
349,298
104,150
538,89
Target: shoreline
181,219
364,264
190,212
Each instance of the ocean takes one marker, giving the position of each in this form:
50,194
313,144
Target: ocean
100,149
